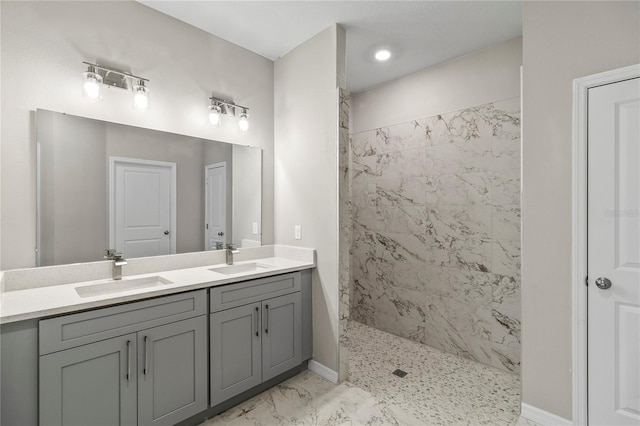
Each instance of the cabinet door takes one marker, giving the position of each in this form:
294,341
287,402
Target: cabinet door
172,372
93,384
282,334
235,351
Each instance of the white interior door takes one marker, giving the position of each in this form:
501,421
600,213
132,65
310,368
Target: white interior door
215,205
142,207
614,254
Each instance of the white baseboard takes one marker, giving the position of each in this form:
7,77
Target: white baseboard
542,417
323,371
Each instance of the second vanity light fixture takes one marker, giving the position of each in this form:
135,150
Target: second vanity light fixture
97,76
220,107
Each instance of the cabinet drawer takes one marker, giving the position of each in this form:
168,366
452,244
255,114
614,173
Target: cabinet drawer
233,295
69,331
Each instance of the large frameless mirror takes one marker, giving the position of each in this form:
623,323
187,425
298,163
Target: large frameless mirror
142,192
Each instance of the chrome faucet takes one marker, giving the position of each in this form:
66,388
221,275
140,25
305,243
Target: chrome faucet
118,263
231,250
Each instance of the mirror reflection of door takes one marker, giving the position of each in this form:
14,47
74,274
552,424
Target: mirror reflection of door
215,205
142,207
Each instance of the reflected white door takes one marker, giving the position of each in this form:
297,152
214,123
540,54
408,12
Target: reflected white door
614,254
142,207
215,205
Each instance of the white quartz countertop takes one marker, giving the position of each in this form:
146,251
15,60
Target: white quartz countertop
48,300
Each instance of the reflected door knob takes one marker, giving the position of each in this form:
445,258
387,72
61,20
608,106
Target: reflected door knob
166,232
603,283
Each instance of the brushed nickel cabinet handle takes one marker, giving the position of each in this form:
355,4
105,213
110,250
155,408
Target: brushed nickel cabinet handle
146,355
257,326
128,360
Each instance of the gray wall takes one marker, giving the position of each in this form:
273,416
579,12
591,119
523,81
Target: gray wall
43,46
73,198
306,174
562,41
246,196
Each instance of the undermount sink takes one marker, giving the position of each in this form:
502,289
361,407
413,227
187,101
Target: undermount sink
239,269
117,286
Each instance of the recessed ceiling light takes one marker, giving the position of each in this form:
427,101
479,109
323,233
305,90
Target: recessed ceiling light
383,55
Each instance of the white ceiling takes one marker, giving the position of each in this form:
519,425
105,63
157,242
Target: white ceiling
419,34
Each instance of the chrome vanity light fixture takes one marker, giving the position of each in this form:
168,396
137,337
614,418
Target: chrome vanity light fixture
243,121
215,114
98,76
140,96
220,107
92,83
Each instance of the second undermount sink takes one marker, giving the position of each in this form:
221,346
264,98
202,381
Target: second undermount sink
117,286
241,268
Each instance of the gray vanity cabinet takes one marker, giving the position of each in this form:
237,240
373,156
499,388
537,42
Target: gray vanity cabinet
257,340
235,351
90,384
282,338
172,379
155,374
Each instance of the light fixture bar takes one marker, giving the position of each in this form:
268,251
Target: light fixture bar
221,107
219,102
111,70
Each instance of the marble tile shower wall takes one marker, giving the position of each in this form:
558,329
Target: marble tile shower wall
435,254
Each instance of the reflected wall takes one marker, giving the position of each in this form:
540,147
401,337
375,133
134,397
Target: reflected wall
73,153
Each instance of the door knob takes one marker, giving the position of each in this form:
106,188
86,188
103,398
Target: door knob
166,232
603,283
220,234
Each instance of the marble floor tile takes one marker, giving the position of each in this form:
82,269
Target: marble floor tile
505,187
472,221
466,286
505,256
506,153
459,158
398,191
440,389
505,222
401,164
407,135
458,190
471,254
363,143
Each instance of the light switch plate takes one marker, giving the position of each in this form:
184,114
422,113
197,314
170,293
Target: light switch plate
255,228
298,232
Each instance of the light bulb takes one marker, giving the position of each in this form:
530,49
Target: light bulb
141,97
383,55
214,115
92,84
243,122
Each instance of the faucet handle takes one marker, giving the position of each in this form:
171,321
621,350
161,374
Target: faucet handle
232,248
113,255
